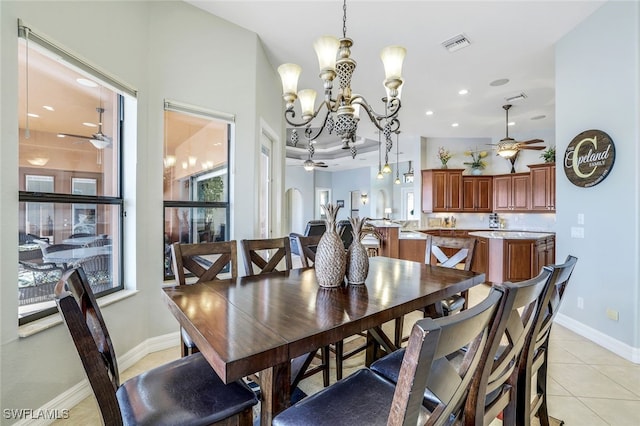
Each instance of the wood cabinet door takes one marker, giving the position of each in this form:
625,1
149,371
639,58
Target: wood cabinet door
521,192
502,193
543,187
477,194
480,262
440,198
453,191
519,260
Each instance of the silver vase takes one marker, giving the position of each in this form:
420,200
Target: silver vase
358,260
331,257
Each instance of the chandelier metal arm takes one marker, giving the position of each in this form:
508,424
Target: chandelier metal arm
307,123
391,118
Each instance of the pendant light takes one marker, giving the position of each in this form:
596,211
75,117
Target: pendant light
397,181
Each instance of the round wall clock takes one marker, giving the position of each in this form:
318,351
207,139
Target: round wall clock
589,158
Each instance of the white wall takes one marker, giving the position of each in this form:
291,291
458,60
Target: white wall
165,50
597,87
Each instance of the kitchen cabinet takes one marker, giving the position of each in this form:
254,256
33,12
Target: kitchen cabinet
516,258
545,252
512,192
442,190
477,194
543,187
412,249
480,262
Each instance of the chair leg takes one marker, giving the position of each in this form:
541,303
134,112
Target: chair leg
398,332
339,355
325,363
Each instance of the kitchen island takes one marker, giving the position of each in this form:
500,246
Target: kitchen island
516,255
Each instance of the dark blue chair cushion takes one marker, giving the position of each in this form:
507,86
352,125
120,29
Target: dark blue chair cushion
183,392
363,398
389,368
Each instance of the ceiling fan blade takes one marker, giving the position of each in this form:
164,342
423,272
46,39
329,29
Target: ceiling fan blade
537,148
75,136
531,141
320,165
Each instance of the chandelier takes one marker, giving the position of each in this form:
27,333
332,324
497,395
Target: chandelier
342,112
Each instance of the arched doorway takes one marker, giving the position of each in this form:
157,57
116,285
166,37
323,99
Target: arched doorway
294,221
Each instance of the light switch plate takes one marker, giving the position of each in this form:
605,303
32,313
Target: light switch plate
577,232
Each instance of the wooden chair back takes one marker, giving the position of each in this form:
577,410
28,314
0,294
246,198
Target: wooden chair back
426,364
494,388
83,318
450,252
277,249
204,260
533,363
307,248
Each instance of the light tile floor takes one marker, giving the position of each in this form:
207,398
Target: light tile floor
588,385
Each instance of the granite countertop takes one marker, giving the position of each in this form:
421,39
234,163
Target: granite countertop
512,235
412,235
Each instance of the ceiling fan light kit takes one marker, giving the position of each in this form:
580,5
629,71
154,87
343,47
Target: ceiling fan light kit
342,112
509,148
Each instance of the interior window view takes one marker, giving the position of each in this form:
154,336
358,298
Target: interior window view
195,180
70,179
320,213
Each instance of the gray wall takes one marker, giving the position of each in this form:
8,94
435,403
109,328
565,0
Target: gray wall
165,50
597,87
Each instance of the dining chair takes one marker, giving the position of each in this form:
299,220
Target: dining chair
276,249
366,397
280,249
186,391
306,248
206,261
532,368
494,389
345,229
448,252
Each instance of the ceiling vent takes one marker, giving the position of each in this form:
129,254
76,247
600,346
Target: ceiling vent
456,43
518,97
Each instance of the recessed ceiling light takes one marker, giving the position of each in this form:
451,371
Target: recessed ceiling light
86,82
89,124
429,112
61,136
33,115
454,125
499,82
538,117
511,123
48,108
463,92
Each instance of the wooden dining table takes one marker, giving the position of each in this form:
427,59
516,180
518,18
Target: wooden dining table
257,324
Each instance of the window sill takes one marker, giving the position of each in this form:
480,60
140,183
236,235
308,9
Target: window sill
37,326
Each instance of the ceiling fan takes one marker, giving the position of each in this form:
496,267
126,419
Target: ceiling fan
509,148
309,164
98,139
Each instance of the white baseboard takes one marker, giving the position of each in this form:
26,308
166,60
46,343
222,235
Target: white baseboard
617,347
73,396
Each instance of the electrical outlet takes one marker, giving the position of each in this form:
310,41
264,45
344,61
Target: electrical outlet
612,314
580,218
580,303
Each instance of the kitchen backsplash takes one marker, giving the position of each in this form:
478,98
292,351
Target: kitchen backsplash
512,221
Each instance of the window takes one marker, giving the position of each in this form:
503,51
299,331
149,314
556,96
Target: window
70,193
196,177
